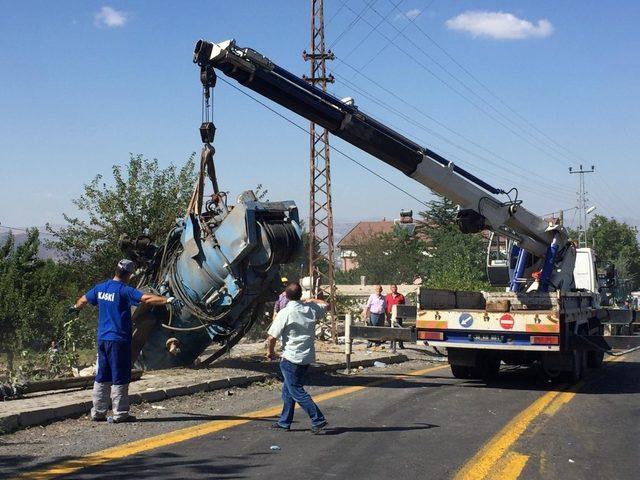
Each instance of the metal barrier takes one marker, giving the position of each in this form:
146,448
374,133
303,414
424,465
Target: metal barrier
394,334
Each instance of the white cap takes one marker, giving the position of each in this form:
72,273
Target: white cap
126,265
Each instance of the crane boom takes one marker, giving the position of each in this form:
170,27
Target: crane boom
480,208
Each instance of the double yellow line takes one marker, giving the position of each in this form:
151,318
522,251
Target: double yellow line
145,444
496,459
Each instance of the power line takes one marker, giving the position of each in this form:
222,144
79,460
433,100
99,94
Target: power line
433,119
353,22
443,138
373,29
454,89
334,148
384,47
486,88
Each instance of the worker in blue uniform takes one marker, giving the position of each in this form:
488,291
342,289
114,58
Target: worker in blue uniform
114,299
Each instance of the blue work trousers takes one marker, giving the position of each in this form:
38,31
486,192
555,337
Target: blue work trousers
114,362
293,392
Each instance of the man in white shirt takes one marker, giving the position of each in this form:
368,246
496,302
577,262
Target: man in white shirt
295,325
374,310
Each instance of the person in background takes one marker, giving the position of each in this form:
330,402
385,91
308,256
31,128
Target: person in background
295,325
394,298
282,300
374,310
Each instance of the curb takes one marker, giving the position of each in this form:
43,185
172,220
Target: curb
42,416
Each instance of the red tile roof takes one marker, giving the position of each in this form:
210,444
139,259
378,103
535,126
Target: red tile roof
364,230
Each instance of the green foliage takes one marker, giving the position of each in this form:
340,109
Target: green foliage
437,252
35,294
141,196
616,242
456,260
395,257
345,304
32,299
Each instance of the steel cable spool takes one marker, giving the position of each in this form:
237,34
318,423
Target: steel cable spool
283,241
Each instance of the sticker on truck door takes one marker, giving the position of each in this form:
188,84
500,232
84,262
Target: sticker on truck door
465,320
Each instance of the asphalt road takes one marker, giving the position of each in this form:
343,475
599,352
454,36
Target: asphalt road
383,424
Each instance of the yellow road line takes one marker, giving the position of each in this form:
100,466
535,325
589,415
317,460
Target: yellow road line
188,433
512,467
481,464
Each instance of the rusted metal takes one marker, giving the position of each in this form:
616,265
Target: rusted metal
321,243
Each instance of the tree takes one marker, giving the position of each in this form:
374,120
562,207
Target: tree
616,242
31,300
456,260
141,196
395,257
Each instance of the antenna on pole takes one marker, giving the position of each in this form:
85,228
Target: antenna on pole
582,205
321,246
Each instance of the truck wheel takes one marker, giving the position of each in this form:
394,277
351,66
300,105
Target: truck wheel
595,358
461,371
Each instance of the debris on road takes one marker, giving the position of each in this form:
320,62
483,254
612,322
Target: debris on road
275,447
379,364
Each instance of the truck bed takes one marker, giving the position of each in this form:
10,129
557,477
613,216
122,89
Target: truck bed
500,320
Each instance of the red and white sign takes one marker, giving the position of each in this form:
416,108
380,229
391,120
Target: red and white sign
507,321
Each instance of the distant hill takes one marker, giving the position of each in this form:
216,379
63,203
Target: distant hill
20,237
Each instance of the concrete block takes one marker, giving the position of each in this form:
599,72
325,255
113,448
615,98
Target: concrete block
9,423
176,391
153,395
36,417
72,410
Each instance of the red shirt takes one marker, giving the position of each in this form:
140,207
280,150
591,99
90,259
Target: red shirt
391,300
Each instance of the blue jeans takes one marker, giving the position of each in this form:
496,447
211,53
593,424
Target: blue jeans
293,392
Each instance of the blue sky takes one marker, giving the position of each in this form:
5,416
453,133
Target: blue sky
84,83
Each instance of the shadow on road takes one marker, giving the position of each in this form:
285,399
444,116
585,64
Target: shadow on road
341,430
187,417
613,378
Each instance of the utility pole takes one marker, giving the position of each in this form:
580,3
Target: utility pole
582,205
321,248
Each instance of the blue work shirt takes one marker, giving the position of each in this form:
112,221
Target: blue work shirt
114,300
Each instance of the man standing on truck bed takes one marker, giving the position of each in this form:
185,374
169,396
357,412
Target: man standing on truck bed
295,325
114,299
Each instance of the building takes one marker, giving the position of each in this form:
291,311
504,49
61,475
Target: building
362,231
359,233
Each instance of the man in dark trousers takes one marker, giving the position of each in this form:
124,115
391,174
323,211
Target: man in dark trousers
295,325
114,299
394,298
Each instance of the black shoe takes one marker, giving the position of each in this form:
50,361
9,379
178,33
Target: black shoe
316,429
127,419
99,418
369,344
401,346
277,426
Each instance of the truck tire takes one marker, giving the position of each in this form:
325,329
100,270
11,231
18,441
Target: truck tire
460,371
595,358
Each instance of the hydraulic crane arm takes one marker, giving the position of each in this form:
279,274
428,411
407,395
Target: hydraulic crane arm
480,207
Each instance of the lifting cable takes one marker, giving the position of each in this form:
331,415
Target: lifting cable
207,134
